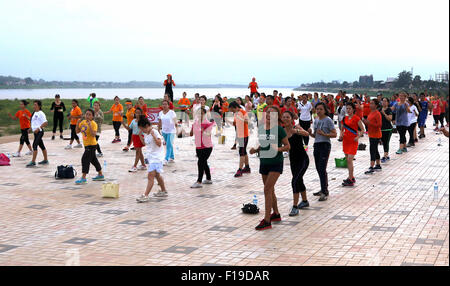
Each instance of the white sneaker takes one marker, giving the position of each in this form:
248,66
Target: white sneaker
196,186
285,154
161,194
171,161
141,168
165,163
17,154
133,170
68,147
29,153
207,182
78,146
99,154
142,199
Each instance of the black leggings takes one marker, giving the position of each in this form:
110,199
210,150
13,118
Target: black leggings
130,134
24,137
98,144
116,125
321,154
38,141
386,138
305,125
88,158
73,133
203,155
58,117
402,132
411,132
374,154
298,169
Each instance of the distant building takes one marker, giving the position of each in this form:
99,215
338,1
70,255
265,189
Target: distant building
390,82
442,77
366,81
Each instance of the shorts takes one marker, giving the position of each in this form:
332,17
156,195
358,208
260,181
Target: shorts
137,143
266,169
243,142
158,167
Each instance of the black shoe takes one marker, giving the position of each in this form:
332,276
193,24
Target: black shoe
303,204
61,137
348,183
323,197
53,137
377,168
275,217
370,171
318,193
263,225
416,140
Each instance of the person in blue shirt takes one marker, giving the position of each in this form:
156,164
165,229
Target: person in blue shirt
401,110
423,114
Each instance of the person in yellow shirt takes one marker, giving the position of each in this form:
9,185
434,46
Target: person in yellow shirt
88,129
184,104
117,111
130,116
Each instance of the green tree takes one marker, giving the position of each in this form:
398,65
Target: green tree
29,80
417,81
404,80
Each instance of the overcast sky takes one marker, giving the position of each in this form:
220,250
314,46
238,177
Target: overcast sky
279,42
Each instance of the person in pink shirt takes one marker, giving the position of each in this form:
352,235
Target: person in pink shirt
201,130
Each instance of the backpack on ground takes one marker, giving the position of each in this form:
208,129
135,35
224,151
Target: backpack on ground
250,209
4,160
362,147
65,172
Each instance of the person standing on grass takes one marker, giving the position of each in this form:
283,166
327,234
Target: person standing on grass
88,129
299,161
386,128
324,130
130,116
260,109
353,130
412,121
253,86
142,105
58,108
117,111
151,138
24,116
184,103
133,127
241,120
201,130
423,114
401,110
168,83
92,98
98,118
74,116
273,142
167,123
38,123
374,124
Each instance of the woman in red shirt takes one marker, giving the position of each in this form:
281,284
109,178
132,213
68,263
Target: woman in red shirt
142,105
350,136
331,106
24,116
373,123
437,106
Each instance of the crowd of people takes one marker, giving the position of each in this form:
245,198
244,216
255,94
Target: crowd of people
284,127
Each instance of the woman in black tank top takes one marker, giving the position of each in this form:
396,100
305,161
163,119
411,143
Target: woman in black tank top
299,161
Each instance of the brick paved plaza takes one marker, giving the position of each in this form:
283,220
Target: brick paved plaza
389,218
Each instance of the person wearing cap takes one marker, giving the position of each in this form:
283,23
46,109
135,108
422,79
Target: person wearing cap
168,83
253,87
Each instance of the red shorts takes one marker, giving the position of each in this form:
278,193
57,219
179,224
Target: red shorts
137,141
350,146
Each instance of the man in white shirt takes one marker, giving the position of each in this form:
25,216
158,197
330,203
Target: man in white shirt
38,123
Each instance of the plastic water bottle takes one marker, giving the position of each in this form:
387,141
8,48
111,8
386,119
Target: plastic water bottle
104,165
255,200
436,192
439,141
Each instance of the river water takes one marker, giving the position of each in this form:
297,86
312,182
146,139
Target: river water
132,93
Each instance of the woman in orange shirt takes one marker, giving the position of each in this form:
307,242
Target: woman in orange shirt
24,116
74,115
225,105
350,136
130,117
117,111
373,123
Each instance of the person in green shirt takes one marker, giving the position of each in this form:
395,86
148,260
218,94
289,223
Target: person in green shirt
273,142
92,98
260,108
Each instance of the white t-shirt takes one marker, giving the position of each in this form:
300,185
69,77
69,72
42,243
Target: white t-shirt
167,121
196,110
37,120
412,118
154,154
305,111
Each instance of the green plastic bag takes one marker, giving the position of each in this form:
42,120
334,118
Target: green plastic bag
340,163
